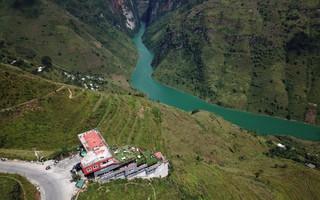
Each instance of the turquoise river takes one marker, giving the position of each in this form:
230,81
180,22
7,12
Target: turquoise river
143,81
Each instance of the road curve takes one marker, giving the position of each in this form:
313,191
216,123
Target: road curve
54,183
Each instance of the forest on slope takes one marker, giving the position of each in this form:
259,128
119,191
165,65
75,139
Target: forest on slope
259,56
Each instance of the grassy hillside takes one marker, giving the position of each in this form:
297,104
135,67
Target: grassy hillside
209,157
31,32
14,186
251,55
57,112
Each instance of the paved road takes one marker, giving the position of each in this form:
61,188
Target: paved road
54,183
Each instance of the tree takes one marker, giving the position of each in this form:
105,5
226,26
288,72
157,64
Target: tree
22,3
76,177
46,61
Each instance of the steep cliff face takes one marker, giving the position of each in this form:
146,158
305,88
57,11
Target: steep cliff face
156,9
126,11
123,14
142,6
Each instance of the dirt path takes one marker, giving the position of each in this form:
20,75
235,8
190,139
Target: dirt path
70,95
33,100
154,191
18,105
70,92
98,103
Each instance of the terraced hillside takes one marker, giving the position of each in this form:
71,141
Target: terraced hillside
260,56
39,33
209,157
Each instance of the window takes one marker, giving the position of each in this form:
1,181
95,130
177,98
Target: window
95,167
89,169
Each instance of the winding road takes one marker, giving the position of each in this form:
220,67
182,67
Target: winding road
54,183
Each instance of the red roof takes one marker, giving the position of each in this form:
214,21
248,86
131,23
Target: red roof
159,155
93,140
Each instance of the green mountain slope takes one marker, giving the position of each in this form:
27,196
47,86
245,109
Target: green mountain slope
251,55
14,186
209,157
74,44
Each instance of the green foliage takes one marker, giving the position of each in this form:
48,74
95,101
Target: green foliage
135,189
157,114
294,152
55,113
23,3
87,44
257,56
76,177
198,155
258,173
46,61
60,154
13,186
16,88
194,111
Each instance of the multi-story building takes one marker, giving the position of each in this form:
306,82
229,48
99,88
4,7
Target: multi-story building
119,162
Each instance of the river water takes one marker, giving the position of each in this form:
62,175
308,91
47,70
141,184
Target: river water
142,80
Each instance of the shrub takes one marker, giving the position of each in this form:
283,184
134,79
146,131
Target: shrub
46,61
194,111
76,177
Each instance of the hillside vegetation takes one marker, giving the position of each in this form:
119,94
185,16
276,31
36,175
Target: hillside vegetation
13,186
40,33
260,56
209,157
100,11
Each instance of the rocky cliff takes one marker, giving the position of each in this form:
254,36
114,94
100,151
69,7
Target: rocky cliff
157,8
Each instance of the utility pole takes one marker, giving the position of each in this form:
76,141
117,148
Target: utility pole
36,153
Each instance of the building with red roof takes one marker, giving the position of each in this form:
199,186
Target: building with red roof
118,162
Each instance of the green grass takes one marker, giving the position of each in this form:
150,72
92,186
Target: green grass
13,186
140,160
23,154
262,57
15,90
221,162
120,189
74,44
150,158
124,152
209,157
51,114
